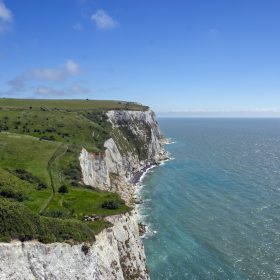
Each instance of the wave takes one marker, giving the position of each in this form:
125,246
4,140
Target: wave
166,160
169,141
149,232
148,170
142,218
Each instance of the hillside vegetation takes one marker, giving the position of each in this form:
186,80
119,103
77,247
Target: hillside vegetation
72,104
41,193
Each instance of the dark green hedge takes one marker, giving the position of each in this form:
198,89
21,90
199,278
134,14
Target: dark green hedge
18,222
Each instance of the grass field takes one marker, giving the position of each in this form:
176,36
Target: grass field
18,151
61,126
74,104
81,201
40,141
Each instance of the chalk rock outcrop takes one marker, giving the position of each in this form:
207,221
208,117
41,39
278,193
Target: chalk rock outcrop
136,144
117,254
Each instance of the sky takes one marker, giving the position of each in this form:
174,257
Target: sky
197,57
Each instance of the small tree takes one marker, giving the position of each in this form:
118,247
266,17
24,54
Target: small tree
63,189
110,204
42,185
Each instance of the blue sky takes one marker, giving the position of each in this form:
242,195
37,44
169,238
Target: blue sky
191,56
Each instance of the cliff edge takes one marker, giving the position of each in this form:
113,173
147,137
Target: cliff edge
135,144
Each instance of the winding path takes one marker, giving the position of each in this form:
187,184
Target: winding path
59,152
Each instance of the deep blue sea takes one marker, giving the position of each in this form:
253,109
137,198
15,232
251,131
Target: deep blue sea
215,208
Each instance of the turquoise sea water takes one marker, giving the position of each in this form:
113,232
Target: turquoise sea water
215,208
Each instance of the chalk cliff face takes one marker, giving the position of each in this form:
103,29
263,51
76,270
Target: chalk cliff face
136,143
118,253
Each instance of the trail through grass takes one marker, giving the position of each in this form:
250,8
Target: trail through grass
60,151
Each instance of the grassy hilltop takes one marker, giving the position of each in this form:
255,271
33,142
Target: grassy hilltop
41,194
71,104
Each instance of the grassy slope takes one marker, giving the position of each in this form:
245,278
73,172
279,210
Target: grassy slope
19,151
74,104
71,127
63,126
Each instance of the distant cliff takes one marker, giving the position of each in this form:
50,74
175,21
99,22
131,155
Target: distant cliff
135,144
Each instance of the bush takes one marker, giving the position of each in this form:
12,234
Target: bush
41,185
110,204
73,172
54,214
26,176
19,222
4,127
63,189
51,129
29,177
75,184
47,138
8,192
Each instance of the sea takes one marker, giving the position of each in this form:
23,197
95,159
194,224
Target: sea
213,210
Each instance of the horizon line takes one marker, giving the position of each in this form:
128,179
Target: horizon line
219,114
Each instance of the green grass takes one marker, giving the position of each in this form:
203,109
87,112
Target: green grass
82,201
19,222
20,151
31,154
34,198
74,104
99,225
67,127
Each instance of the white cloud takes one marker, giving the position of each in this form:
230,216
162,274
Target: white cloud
15,86
74,90
18,83
6,18
103,20
70,68
5,14
43,90
49,74
26,81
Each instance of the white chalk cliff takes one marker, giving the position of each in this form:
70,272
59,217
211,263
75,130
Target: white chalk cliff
121,159
118,252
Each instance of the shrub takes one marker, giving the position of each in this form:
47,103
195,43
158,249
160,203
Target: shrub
110,204
75,184
51,129
54,213
63,189
4,127
29,177
73,172
48,138
41,185
19,222
8,192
